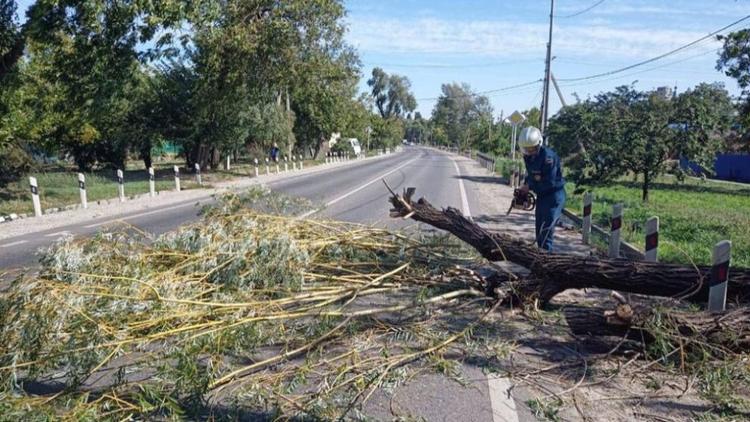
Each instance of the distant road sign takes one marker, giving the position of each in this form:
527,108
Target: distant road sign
517,117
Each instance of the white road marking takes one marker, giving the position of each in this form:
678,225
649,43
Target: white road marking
462,189
503,405
114,220
62,233
350,193
8,245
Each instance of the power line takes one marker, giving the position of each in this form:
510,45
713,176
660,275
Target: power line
450,66
715,50
653,59
492,91
582,11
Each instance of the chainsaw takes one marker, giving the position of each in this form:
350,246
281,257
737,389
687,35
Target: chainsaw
522,200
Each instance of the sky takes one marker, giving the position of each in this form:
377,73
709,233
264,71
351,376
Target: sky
493,44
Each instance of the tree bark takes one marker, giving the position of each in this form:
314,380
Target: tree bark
554,273
730,330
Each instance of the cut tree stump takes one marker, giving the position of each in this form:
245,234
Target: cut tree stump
553,273
728,330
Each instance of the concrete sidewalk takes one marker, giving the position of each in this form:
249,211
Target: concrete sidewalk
497,196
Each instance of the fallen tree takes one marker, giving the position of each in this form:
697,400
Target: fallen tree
718,333
551,274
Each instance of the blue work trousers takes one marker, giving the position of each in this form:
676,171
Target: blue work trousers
548,210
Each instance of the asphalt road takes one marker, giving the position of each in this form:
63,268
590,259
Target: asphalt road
352,193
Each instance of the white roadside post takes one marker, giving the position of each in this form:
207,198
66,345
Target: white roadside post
652,239
328,155
294,162
276,160
588,200
82,190
301,161
121,185
151,182
286,164
198,173
35,196
614,231
229,164
268,169
177,178
255,160
717,294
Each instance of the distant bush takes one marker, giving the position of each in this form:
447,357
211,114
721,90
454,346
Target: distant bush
14,164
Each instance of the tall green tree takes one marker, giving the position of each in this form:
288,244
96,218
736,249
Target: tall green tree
458,110
734,60
391,93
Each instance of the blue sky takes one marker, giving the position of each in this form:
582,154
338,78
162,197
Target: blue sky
492,44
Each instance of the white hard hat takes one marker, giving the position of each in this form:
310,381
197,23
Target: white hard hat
530,137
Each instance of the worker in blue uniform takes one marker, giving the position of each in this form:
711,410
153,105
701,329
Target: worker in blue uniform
544,177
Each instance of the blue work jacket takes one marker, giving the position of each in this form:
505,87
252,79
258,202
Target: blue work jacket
544,172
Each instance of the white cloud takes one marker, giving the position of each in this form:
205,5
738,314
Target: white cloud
507,39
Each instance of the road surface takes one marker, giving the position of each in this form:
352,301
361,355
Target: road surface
352,193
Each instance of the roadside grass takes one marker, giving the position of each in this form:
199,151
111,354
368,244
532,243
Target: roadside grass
60,188
58,185
693,216
505,166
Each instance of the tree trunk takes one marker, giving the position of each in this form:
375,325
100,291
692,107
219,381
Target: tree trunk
646,182
730,330
554,273
145,154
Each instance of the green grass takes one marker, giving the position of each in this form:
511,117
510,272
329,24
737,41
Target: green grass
60,188
693,216
504,166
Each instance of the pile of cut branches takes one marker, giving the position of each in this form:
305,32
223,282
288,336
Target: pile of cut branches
287,316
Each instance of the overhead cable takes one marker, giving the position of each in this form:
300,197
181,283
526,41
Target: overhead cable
653,59
582,11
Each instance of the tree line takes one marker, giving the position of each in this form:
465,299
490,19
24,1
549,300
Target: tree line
97,82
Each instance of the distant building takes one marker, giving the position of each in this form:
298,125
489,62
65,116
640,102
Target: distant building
666,92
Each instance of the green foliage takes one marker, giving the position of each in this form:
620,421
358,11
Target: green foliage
104,79
392,94
546,409
631,132
386,133
459,110
14,164
734,60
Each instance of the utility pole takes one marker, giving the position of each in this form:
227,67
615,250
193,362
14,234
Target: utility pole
547,72
557,88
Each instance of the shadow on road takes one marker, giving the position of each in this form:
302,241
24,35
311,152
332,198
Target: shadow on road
484,179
